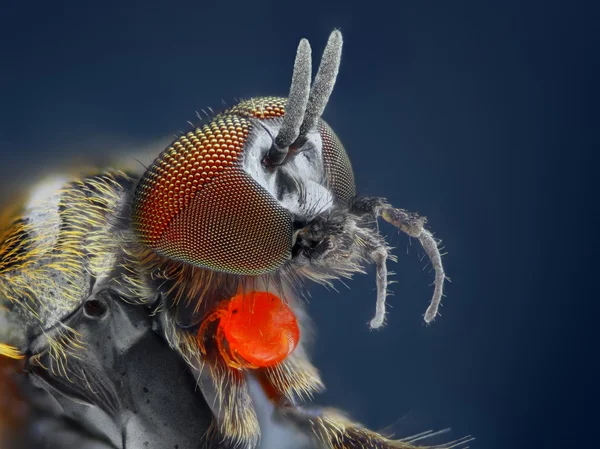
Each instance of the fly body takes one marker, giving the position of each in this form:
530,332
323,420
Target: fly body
144,306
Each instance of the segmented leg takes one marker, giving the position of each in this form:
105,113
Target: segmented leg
414,225
380,256
224,389
226,392
231,358
333,430
295,379
204,327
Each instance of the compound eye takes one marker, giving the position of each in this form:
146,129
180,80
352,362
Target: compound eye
340,177
197,205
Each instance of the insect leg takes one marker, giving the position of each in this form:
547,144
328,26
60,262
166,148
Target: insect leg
224,388
380,256
414,225
334,430
295,379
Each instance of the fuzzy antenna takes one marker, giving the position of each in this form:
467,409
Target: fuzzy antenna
324,81
296,104
305,104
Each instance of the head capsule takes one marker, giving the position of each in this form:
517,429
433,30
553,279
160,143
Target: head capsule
230,195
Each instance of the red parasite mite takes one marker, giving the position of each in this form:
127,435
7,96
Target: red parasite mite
255,330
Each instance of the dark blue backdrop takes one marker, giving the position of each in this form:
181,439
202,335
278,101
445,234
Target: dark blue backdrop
481,116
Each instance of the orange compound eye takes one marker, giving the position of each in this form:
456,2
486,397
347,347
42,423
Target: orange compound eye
198,204
255,330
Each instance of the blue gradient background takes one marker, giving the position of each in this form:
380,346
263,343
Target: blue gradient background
482,116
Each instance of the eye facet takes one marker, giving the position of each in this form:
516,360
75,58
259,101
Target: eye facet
338,169
196,204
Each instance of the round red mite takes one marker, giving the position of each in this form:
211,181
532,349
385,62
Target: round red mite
255,330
